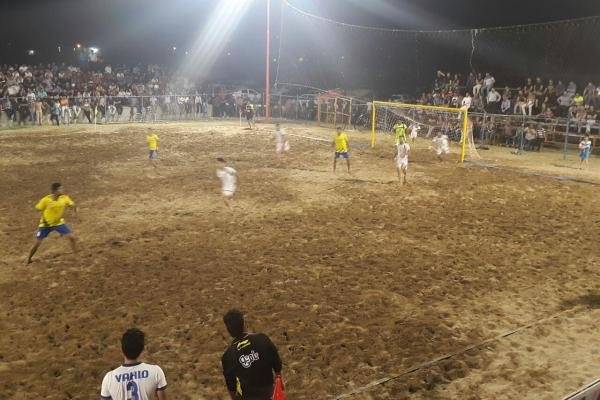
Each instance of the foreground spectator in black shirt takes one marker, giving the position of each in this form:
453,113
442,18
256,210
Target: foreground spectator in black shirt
251,360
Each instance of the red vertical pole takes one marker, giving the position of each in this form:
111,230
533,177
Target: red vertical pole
267,70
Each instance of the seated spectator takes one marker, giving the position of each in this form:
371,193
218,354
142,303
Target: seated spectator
505,105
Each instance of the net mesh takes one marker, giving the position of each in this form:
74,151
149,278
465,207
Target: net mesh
425,123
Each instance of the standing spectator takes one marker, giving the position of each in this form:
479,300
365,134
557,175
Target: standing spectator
560,89
466,101
39,111
564,101
551,90
588,94
505,105
134,379
488,83
591,116
585,148
251,360
493,101
55,113
477,88
540,137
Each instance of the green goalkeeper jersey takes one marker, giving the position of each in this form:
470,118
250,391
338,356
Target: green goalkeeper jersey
400,131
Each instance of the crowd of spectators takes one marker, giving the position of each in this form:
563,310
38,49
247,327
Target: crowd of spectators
66,94
542,100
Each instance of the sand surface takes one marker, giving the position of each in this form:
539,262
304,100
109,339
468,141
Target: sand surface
354,277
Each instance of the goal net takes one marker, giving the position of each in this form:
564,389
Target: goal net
428,121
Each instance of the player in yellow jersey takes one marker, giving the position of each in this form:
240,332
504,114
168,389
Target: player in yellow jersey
53,208
152,140
341,145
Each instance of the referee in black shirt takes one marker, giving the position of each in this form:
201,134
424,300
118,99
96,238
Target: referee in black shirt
251,359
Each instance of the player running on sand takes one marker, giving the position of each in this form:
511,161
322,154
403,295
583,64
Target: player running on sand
52,207
228,177
441,145
341,145
282,143
401,157
152,140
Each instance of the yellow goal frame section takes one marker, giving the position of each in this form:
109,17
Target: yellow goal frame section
462,111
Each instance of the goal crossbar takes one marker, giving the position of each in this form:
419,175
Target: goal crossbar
462,112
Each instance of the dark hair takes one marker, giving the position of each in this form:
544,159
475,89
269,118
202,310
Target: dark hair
234,321
132,343
55,186
221,159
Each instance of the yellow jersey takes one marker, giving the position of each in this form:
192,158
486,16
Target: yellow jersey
152,141
53,210
341,143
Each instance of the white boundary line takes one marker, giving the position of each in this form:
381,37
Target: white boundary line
436,360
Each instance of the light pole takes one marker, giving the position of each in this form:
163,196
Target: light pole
268,63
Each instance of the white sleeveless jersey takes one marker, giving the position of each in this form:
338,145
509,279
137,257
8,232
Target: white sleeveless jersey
133,382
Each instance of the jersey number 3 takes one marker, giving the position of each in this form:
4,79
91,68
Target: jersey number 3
133,387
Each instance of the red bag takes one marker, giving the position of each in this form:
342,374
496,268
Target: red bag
278,393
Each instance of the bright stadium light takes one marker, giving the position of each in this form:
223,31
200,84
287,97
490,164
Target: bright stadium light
78,45
212,39
31,52
94,50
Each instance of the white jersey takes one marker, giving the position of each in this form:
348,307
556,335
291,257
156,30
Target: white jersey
441,144
402,156
403,150
281,141
138,381
228,178
414,131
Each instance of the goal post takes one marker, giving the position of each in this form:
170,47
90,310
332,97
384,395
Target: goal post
454,122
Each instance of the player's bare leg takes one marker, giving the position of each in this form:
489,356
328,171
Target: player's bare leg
334,164
33,250
348,164
72,242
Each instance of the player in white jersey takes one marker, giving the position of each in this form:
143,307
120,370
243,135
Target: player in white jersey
228,177
282,143
414,131
401,157
441,145
134,380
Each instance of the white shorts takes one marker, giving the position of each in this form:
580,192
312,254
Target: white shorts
282,146
442,150
228,193
413,135
402,163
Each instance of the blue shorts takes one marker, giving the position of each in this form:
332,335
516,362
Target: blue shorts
343,154
153,154
584,154
43,232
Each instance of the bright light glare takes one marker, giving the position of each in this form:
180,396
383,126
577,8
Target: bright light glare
31,52
213,38
93,50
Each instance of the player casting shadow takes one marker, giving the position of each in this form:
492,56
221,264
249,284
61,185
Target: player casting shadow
590,300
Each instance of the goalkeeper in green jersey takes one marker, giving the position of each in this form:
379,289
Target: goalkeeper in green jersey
400,132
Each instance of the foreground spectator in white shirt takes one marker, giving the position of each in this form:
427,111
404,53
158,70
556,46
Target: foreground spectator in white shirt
134,379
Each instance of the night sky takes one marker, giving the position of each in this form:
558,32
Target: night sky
144,31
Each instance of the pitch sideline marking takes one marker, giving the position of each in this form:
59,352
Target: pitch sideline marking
447,356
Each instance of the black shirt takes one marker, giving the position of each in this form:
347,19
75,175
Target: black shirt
251,359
